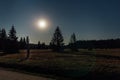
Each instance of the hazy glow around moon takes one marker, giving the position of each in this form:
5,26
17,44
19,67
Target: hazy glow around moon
42,24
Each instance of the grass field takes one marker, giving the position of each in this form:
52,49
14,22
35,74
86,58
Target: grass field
99,63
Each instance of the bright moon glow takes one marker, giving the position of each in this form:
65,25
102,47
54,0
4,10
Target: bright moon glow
42,24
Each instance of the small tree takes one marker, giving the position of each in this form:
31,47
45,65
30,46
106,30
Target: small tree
21,40
43,45
28,48
0,39
39,45
22,43
57,40
0,33
72,44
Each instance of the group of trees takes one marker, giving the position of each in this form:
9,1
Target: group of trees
101,44
57,41
22,43
9,43
58,45
41,45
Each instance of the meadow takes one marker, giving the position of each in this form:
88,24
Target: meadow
94,64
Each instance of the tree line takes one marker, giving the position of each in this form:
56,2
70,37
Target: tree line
9,43
98,44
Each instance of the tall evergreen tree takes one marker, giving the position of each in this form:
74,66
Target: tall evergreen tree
73,38
3,41
12,34
72,44
57,40
3,34
12,43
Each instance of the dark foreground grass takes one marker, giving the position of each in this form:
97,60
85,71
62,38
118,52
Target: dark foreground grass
84,65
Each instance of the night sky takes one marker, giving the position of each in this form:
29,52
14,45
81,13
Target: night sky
89,19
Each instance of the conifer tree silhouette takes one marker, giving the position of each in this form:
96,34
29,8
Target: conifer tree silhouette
22,43
12,43
72,44
3,34
3,37
57,40
21,39
39,45
0,40
12,34
28,47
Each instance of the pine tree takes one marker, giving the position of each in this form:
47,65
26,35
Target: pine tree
39,45
3,41
24,40
12,34
73,38
57,40
72,44
12,43
38,42
28,48
21,40
3,34
43,45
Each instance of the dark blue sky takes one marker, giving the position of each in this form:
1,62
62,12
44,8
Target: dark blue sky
89,19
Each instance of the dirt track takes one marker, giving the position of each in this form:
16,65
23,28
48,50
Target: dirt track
9,75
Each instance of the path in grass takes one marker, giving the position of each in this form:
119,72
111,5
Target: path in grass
9,75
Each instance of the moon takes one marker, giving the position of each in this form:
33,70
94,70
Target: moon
42,24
